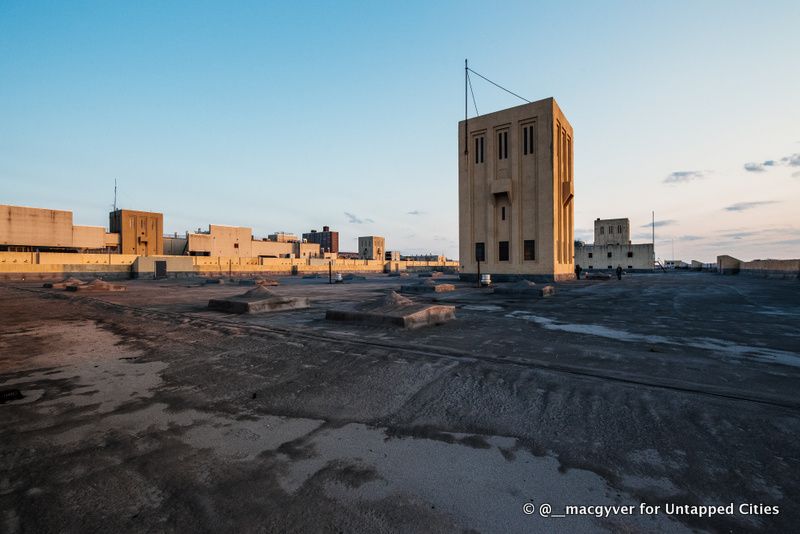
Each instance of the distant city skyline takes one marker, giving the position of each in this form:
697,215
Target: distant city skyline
290,117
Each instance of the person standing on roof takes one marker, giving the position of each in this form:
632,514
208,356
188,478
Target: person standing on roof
619,272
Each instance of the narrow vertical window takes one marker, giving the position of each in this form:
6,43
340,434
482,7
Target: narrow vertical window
481,149
505,145
529,252
480,252
525,140
530,140
502,253
477,151
503,213
500,145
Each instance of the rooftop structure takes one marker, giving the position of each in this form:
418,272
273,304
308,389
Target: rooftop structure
25,229
238,241
327,240
612,231
141,232
371,247
516,193
283,237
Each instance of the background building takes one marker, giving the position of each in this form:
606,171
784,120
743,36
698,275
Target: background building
24,229
515,193
283,237
141,232
238,241
371,247
613,248
612,231
327,240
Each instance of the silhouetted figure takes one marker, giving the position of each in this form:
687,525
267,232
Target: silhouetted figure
619,272
578,272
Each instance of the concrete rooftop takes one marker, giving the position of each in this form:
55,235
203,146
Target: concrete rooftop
145,411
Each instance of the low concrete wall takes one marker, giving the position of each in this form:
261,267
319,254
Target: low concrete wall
53,266
763,268
537,278
771,268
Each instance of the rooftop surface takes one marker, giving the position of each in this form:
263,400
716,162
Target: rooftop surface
143,410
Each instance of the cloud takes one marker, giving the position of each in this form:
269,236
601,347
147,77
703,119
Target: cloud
741,206
659,224
415,212
353,219
740,235
754,167
689,237
792,160
680,177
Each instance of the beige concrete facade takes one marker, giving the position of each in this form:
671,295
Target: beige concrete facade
516,193
141,232
238,242
612,232
24,228
640,257
371,247
283,237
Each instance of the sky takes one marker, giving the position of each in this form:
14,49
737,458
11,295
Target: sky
288,116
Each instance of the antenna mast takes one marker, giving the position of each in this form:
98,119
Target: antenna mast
466,113
115,194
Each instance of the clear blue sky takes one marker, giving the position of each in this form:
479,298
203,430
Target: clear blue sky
288,116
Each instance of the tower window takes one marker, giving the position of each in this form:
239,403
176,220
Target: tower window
502,145
479,149
480,252
527,140
590,254
503,213
602,230
502,253
609,254
529,249
610,230
630,254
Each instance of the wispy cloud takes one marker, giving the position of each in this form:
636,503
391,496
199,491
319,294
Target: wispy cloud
689,237
354,219
792,160
742,206
681,177
754,167
659,224
415,212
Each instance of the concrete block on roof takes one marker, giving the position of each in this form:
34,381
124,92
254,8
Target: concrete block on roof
393,309
258,300
524,288
428,286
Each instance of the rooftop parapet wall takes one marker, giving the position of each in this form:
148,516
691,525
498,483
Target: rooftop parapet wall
46,265
765,268
771,268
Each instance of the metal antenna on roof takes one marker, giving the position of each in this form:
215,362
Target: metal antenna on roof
115,194
466,109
